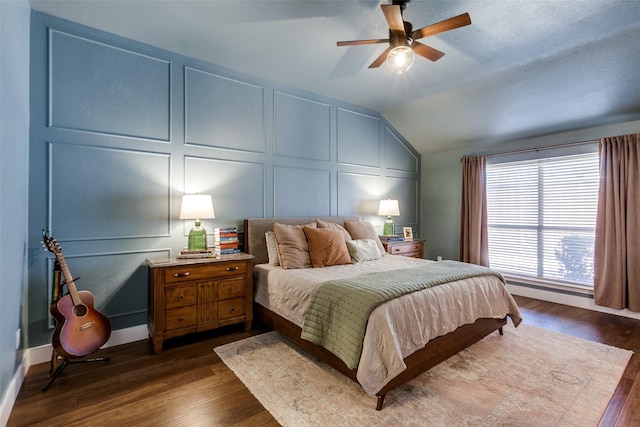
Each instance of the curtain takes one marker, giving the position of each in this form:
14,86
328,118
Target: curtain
474,239
617,256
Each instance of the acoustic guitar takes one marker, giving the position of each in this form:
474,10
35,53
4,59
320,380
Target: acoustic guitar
80,328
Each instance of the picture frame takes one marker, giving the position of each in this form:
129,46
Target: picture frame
407,233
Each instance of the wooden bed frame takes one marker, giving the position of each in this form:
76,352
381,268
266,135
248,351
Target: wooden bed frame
436,350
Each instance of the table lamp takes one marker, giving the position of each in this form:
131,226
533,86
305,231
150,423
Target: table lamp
389,208
197,207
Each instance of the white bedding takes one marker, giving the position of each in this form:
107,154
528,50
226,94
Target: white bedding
397,328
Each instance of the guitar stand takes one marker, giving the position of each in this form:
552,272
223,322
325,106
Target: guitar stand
53,374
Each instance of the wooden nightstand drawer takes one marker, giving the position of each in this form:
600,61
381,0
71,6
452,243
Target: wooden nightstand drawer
407,248
180,296
180,318
231,288
192,272
414,249
229,308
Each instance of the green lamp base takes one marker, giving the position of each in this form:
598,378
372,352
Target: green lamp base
197,238
388,229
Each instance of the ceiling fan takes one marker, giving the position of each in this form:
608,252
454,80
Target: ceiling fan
403,39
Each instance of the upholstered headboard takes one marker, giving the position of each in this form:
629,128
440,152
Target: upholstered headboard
255,229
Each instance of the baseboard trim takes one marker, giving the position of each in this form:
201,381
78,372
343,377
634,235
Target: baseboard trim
42,353
571,299
12,390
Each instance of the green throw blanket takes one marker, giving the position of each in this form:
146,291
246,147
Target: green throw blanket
339,309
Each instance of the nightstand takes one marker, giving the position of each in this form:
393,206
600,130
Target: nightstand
195,295
414,248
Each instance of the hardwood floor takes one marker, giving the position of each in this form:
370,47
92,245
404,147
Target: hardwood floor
622,332
188,385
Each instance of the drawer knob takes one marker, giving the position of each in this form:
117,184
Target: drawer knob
233,268
181,319
232,309
231,289
181,296
185,274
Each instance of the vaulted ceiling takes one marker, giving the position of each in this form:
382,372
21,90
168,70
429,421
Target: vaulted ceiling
522,68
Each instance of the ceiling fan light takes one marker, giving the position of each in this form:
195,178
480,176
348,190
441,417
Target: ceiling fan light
400,59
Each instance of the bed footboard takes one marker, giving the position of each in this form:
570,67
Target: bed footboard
436,350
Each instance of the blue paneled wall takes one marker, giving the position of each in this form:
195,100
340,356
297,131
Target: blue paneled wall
121,130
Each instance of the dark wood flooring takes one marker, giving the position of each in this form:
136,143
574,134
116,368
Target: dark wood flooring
188,385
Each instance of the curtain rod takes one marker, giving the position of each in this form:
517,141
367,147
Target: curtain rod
527,150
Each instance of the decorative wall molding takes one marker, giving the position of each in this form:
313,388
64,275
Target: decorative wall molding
292,199
236,123
359,141
237,188
301,127
118,280
98,193
398,155
119,92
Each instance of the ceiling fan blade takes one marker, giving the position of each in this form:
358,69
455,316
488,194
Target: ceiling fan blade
359,42
380,59
442,26
426,51
394,17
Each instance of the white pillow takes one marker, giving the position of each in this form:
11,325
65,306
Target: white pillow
272,248
363,250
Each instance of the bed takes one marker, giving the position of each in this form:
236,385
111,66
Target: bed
404,336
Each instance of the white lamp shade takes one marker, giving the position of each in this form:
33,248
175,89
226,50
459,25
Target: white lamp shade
389,208
196,206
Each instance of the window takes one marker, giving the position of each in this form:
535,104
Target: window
542,216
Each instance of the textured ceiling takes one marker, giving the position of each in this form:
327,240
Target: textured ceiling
522,68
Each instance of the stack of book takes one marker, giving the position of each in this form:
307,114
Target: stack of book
394,238
225,240
187,254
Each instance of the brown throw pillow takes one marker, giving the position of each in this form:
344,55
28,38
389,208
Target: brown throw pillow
292,245
334,226
327,247
363,230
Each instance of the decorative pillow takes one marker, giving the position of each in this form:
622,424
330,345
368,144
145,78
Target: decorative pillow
272,248
327,247
363,250
293,249
363,230
334,226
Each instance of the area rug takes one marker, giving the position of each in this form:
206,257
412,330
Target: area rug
528,377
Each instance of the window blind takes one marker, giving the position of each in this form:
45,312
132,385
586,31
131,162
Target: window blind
542,215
